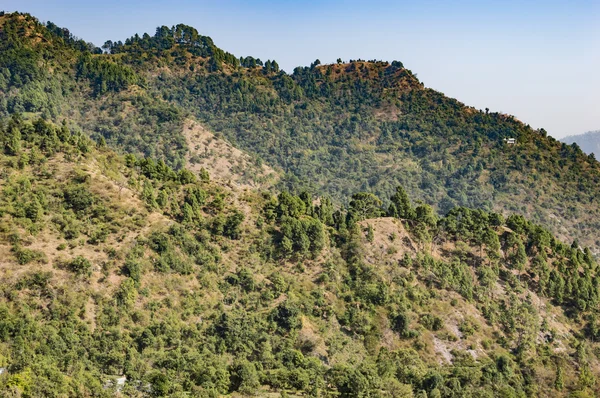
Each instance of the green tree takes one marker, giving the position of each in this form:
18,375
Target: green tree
520,257
287,316
559,381
13,142
232,224
324,211
492,243
148,194
244,377
402,207
81,266
365,205
34,210
126,293
424,214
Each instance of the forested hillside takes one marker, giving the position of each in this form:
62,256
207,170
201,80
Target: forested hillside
123,276
588,142
333,129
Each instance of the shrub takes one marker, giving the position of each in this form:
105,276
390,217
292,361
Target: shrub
244,377
431,322
287,316
26,256
81,266
400,323
78,197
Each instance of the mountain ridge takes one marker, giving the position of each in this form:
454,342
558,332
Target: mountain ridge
176,221
588,142
332,129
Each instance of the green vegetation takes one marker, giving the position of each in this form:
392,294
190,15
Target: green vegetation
588,142
333,129
186,287
404,268
105,75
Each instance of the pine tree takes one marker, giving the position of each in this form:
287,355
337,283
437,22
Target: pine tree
370,234
559,382
148,194
188,214
402,203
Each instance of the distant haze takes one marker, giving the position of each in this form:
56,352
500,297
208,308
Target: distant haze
538,61
588,142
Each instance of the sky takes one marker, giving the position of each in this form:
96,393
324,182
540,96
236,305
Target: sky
536,60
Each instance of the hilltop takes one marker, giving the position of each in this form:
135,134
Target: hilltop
121,275
179,221
329,129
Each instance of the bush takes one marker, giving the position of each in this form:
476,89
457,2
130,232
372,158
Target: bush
133,270
78,197
244,377
26,256
468,327
81,266
287,316
400,324
431,322
231,229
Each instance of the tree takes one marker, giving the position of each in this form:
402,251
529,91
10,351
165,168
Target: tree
287,246
162,199
126,293
107,46
186,177
559,382
148,194
308,203
213,65
492,243
424,214
402,206
496,219
520,257
160,383
78,197
287,316
365,205
316,235
290,205
13,143
324,211
244,377
34,210
232,224
400,323
392,210
188,214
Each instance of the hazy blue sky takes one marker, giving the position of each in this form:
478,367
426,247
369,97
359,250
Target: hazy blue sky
537,60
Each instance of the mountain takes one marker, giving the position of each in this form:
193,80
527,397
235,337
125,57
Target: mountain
588,142
122,276
176,221
329,129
